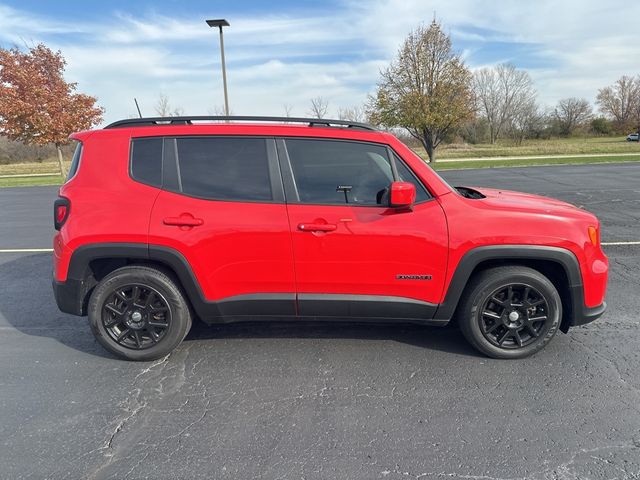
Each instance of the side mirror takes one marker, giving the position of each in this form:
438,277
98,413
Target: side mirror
402,195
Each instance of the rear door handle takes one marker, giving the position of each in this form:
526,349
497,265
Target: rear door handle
184,220
317,227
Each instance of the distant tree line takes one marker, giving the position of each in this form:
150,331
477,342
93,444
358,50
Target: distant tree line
426,91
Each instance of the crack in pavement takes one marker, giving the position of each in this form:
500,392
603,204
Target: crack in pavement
132,395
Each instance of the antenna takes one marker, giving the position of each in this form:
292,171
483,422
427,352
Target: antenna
138,107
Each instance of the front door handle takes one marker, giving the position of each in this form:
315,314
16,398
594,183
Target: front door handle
184,220
317,227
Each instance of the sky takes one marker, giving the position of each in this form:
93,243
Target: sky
287,52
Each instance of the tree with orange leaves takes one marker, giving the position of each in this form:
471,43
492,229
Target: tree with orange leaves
37,106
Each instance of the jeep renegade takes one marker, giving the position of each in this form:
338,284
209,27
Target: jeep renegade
224,219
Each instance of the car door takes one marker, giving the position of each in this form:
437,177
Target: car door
354,255
222,208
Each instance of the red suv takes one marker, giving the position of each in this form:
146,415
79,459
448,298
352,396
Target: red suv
162,221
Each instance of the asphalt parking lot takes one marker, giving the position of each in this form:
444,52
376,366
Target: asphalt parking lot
323,401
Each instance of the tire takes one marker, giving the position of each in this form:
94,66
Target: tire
486,314
147,302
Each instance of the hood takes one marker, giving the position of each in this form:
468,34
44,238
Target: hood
526,201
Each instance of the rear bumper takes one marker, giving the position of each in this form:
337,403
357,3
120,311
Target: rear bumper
69,296
588,314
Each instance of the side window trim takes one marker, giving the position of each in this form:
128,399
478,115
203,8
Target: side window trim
275,176
170,173
394,155
392,161
290,187
172,180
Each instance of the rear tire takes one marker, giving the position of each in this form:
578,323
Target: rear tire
139,313
510,312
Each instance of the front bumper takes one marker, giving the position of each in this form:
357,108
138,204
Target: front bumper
579,313
588,314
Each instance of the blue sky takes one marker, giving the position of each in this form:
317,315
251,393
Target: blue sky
287,52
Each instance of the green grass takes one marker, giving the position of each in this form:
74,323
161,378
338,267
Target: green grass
20,168
532,162
555,146
29,168
30,181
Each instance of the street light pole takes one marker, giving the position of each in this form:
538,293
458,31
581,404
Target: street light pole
222,23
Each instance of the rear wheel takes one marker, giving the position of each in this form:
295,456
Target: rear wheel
139,313
510,312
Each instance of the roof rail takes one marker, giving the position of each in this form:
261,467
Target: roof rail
312,122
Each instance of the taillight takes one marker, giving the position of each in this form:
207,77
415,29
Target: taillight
61,209
594,235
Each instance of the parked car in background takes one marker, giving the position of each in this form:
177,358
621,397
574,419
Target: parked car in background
633,137
166,220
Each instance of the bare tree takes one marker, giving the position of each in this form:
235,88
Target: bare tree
621,101
528,121
571,113
501,91
218,111
287,109
352,114
427,89
319,107
163,107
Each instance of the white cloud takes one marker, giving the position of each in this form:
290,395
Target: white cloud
580,46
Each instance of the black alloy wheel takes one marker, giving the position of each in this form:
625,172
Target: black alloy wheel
139,312
136,316
510,311
514,316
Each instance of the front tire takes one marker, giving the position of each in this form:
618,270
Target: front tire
139,313
510,312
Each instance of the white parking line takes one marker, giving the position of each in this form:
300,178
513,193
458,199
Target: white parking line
25,250
610,244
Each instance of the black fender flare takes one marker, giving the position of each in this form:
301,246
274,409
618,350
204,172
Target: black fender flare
474,257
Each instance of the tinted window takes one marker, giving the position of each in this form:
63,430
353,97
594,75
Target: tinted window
224,168
146,160
75,161
335,172
407,175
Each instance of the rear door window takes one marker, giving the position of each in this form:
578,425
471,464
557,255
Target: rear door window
224,168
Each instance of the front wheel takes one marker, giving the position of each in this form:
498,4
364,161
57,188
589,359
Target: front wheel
139,313
510,312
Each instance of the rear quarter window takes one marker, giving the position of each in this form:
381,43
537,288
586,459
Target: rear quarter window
146,160
75,162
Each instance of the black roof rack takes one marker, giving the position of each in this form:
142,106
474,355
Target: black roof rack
312,122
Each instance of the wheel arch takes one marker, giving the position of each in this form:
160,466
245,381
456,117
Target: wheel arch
558,264
91,263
